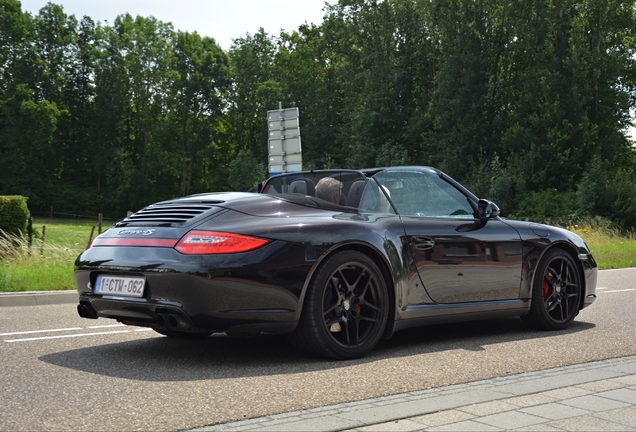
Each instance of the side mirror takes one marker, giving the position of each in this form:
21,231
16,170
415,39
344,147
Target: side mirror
487,209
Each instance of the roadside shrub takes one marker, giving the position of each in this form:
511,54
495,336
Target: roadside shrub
609,192
549,206
493,180
599,226
14,214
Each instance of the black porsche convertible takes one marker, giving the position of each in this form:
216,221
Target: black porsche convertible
335,259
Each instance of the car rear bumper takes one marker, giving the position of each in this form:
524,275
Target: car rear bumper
210,294
174,316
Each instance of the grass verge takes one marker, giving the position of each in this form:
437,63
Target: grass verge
46,266
51,267
611,248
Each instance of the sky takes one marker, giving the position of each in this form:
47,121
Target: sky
223,20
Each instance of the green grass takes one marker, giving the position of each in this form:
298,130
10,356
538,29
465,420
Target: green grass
66,239
611,250
69,233
47,266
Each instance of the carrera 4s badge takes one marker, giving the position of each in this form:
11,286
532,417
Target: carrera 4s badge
146,232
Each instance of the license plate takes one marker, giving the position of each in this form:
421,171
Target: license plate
126,286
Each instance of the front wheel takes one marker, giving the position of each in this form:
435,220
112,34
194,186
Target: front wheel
556,293
345,309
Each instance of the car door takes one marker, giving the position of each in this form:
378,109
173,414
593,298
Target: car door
458,257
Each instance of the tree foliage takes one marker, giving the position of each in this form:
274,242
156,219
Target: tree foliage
521,100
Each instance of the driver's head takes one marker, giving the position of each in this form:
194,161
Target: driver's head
328,188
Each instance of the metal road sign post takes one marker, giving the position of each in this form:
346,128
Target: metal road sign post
284,150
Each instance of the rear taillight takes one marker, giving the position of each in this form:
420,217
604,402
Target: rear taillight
211,242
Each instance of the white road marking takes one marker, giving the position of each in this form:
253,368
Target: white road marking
601,288
106,326
66,336
41,331
70,335
622,290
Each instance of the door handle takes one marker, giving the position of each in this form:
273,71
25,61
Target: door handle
423,243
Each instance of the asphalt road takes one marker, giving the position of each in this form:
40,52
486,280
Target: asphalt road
61,372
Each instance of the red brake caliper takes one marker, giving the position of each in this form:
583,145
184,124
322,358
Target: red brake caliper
546,285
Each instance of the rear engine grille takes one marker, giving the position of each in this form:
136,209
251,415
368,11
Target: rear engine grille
166,214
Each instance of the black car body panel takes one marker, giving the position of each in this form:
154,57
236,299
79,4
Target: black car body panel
462,266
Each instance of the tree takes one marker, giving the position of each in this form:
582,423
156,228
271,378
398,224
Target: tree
255,90
514,98
136,62
198,95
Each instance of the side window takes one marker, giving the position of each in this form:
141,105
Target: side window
424,193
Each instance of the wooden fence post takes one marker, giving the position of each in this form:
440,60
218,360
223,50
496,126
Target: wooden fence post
99,223
90,239
43,237
30,233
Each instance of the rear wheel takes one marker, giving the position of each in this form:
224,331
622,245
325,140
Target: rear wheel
556,293
345,308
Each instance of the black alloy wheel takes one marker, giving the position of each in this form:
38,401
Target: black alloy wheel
345,309
556,294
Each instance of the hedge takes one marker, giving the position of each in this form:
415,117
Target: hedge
14,213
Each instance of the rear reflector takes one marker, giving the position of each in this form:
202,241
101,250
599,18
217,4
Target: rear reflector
156,242
211,242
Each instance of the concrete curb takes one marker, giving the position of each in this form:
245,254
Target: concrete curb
37,298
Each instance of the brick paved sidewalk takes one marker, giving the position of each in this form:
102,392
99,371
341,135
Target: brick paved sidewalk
597,396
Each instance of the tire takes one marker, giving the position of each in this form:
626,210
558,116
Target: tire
556,292
182,335
345,309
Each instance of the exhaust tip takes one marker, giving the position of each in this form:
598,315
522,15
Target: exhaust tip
173,321
85,310
160,319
